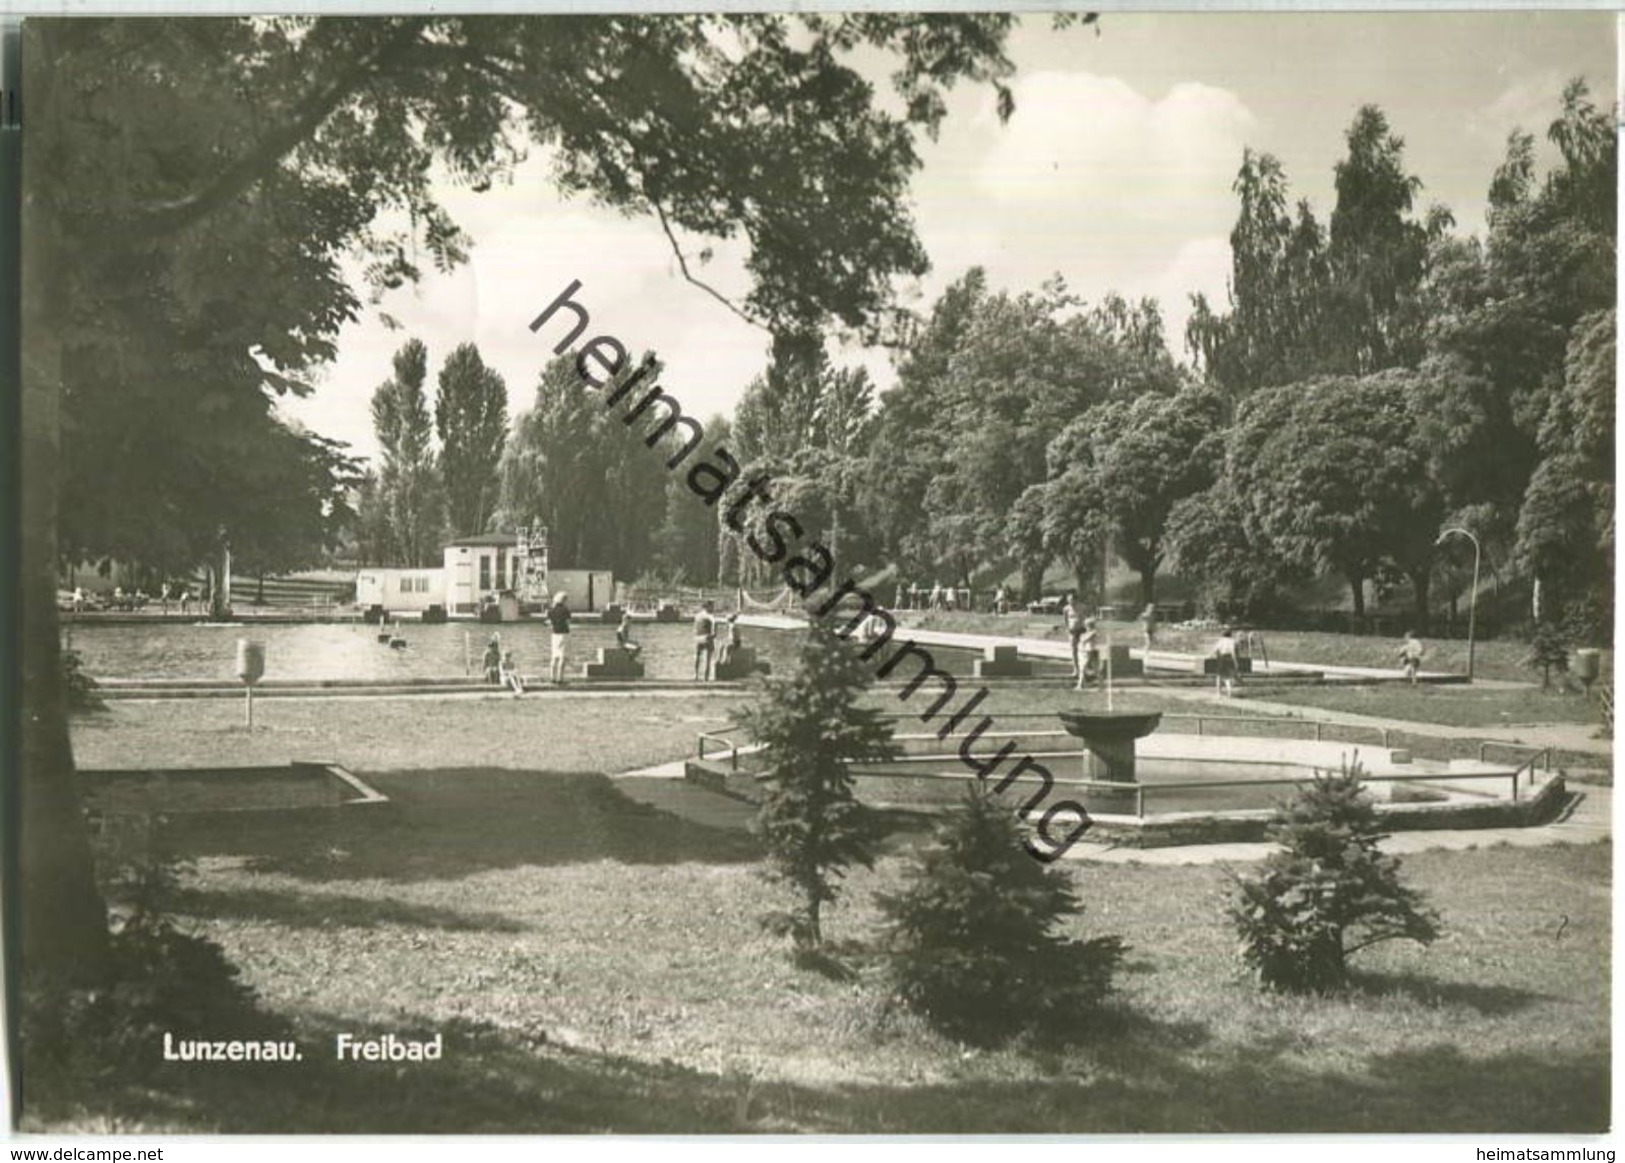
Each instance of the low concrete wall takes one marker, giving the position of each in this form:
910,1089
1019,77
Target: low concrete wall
297,786
1244,827
1252,827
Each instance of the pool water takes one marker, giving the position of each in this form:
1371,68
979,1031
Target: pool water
352,651
334,650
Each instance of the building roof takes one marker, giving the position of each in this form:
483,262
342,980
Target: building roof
501,540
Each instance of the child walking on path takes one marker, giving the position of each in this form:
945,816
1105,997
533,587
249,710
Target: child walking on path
1411,654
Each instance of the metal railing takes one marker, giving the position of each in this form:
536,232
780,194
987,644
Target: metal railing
1140,789
1316,727
1533,751
733,748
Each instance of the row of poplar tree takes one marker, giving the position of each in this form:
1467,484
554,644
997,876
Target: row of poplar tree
1373,379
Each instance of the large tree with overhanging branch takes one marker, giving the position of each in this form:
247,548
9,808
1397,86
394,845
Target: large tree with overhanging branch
197,189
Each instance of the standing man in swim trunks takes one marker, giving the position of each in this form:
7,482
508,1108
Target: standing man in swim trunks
705,637
1225,651
558,617
1074,632
623,636
1089,649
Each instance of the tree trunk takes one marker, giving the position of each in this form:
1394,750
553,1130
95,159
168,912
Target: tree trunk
1082,571
1421,580
220,596
63,920
1148,586
1357,589
1032,583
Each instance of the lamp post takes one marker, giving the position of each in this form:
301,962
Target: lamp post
1472,598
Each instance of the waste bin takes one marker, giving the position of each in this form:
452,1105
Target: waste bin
250,661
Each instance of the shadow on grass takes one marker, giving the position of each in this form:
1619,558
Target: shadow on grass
1488,1000
324,910
449,823
1137,1076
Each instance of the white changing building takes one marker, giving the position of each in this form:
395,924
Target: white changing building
478,571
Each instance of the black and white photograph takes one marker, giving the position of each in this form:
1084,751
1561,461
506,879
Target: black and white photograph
814,573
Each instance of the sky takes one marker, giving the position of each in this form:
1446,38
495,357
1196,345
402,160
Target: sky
1115,173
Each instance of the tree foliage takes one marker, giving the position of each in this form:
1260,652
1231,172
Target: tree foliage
975,940
805,423
1548,651
409,479
812,725
1337,475
982,393
569,464
1376,253
1231,572
1272,332
1508,309
1309,300
196,188
1120,468
687,547
311,479
1327,893
471,418
1565,532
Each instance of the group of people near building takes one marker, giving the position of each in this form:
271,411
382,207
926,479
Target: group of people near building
128,601
714,644
937,597
501,670
1084,634
716,638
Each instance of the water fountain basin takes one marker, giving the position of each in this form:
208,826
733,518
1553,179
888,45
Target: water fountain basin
1109,738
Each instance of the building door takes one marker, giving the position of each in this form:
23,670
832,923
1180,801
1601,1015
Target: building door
462,587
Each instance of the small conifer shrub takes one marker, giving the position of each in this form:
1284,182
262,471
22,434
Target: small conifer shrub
973,941
811,820
1327,893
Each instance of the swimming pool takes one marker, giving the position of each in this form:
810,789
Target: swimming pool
351,650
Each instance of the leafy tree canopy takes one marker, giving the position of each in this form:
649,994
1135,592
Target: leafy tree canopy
1339,475
471,416
195,188
570,461
410,488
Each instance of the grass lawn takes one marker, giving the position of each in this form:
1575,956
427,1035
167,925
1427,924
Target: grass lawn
596,733
538,732
596,965
1450,705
